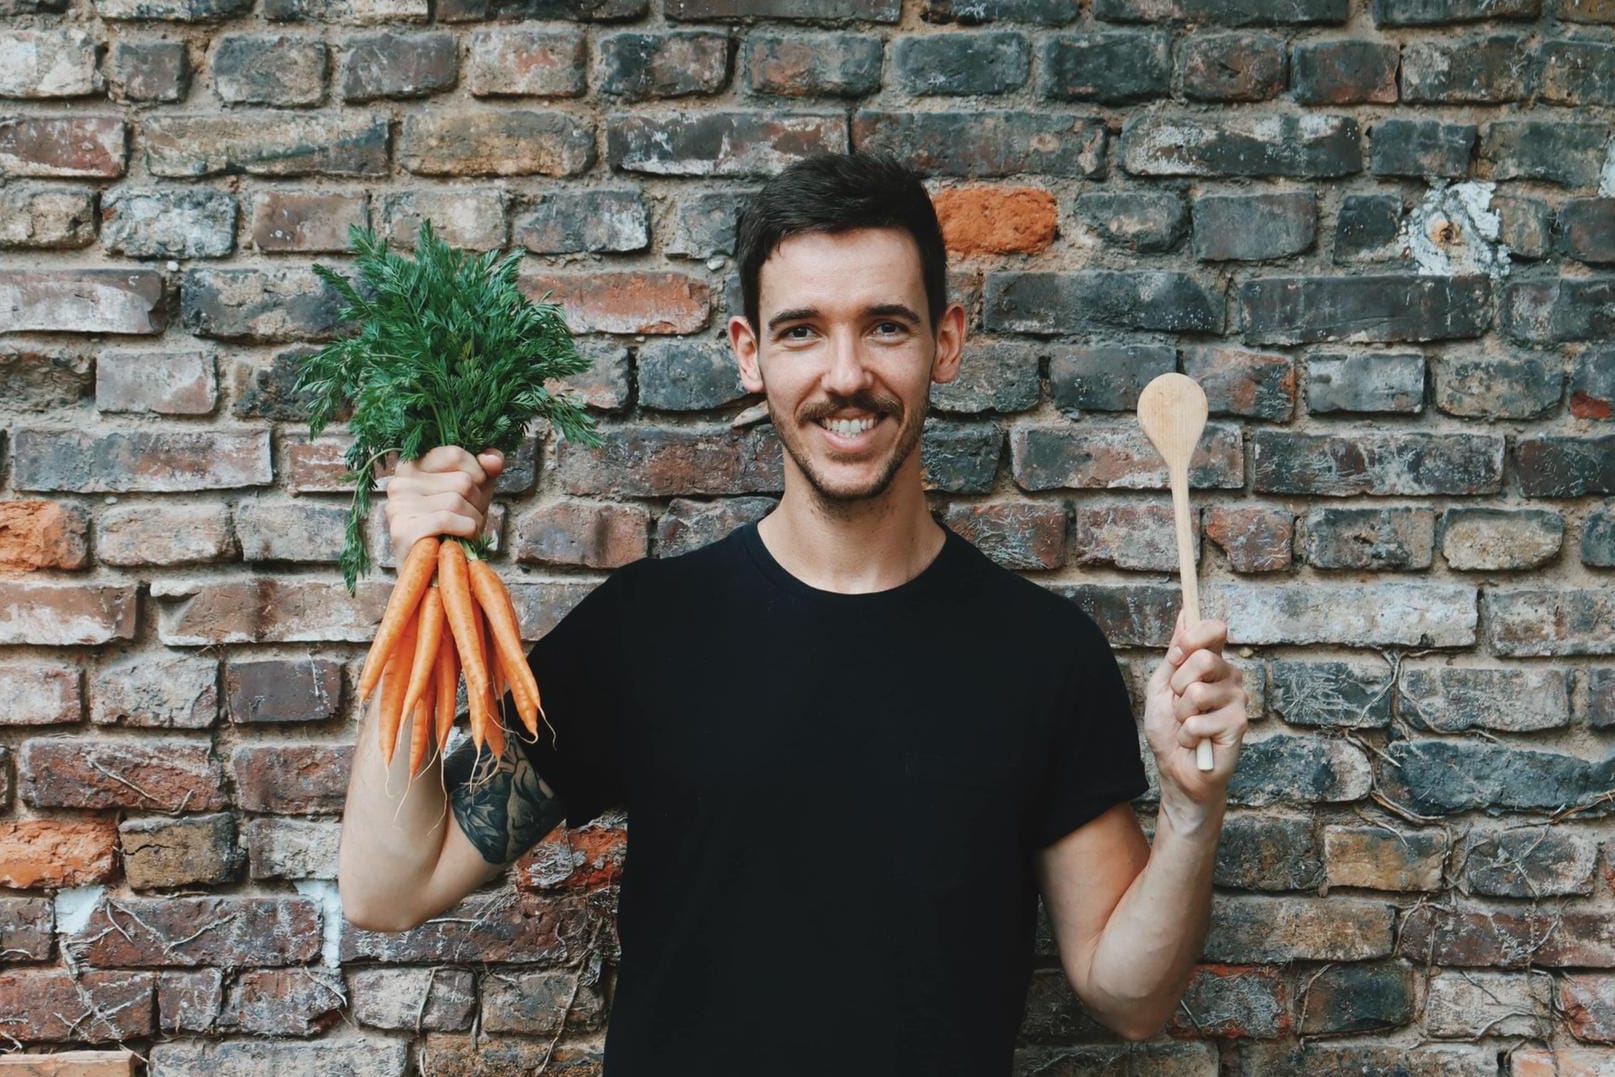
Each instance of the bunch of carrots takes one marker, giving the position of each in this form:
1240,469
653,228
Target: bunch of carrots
448,351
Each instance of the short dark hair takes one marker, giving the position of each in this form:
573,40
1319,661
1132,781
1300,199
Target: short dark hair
840,192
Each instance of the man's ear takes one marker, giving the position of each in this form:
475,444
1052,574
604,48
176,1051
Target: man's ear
744,343
950,343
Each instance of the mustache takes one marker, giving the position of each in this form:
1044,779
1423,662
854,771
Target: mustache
861,401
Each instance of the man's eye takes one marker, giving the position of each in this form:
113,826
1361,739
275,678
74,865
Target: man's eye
798,332
890,328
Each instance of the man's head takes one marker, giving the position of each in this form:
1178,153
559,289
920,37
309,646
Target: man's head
841,193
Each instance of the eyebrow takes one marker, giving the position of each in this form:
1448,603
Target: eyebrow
881,310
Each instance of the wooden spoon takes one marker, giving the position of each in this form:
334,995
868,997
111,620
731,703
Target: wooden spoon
1172,411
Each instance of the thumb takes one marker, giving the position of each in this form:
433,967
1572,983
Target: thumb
492,462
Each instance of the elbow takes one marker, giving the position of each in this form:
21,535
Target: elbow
371,915
1137,1029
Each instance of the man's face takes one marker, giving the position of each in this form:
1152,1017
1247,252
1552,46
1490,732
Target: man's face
846,353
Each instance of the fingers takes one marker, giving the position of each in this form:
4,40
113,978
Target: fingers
1225,726
445,492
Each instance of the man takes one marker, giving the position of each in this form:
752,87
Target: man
852,749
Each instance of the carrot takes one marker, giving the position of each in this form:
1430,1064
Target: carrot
414,575
461,611
446,677
494,733
419,732
394,681
428,631
507,643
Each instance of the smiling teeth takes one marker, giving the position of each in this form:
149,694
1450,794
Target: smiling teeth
848,428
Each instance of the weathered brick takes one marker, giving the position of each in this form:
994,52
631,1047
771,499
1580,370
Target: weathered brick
816,10
496,142
1535,623
996,220
171,10
1358,615
26,928
538,1002
1448,699
1569,154
1565,466
194,613
282,848
1257,385
569,10
315,465
42,535
295,530
373,1056
626,301
645,67
1558,310
306,221
1388,464
719,143
1408,147
1525,226
1053,1013
1351,538
1268,852
1435,12
598,535
1357,998
689,525
85,147
1027,536
1253,227
812,65
147,461
1588,1004
1598,540
1232,66
45,614
82,301
45,380
1349,71
280,690
164,534
1512,938
1137,220
1267,145
468,1053
1561,1062
1369,229
1081,301
46,218
193,849
1475,70
997,376
171,775
291,778
1253,539
1592,385
1374,382
1106,377
1335,695
1587,229
155,691
1438,777
1253,1060
243,73
436,999
1128,535
987,143
534,930
1487,540
261,305
566,222
1593,11
1364,309
1090,455
1245,928
399,65
1110,66
189,1001
1504,387
53,1005
604,386
973,12
48,63
1382,858
327,143
40,693
1577,73
153,70
283,1002
57,852
1233,1001
1228,12
353,12
960,457
1599,710
1529,862
1130,615
164,383
687,375
1286,769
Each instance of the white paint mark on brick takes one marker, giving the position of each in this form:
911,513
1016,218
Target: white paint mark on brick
1455,232
325,892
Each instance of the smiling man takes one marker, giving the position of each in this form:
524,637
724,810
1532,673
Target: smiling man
853,749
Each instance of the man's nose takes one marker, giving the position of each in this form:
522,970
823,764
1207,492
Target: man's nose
847,373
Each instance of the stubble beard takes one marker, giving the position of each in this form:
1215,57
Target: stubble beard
841,499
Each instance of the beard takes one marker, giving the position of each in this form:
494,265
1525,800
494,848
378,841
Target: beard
845,494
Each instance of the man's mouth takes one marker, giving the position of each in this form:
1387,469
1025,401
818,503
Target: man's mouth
848,428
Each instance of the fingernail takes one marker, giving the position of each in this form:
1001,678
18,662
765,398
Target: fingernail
1175,655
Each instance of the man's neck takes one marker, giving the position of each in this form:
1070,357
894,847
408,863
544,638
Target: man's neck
854,547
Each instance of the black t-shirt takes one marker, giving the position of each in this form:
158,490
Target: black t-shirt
834,803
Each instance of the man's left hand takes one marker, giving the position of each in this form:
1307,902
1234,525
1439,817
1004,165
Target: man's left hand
1195,694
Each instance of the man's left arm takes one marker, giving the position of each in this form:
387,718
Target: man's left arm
1130,917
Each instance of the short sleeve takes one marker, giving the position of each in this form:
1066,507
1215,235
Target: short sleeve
576,665
1094,758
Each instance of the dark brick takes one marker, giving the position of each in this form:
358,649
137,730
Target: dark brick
139,460
1565,466
1382,858
267,392
1488,540
1058,303
1438,1060
1111,67
243,75
1227,12
689,525
1268,852
1534,623
1256,385
519,61
1253,539
1247,927
1577,73
1232,66
399,65
1598,539
960,458
1357,998
998,376
974,12
301,221
1253,227
987,143
1396,538
962,64
645,67
1344,72
1365,309
1133,615
1525,226
1117,455
1450,699
1232,1001
1592,384
813,65
148,71
1440,777
1559,309
595,221
1106,377
189,850
1600,709
1435,12
278,690
687,375
1569,154
261,305
496,142
1507,938
171,10
718,143
163,931
676,462
1587,229
1269,145
1379,464
1584,10
566,10
1513,387
703,225
1127,535
1334,695
1369,229
1365,383
1477,70
26,928
1025,536
1421,148
815,10
272,144
154,222
1146,221
1529,862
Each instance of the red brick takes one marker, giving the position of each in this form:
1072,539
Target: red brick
439,999
1563,1061
56,852
26,929
53,1005
126,301
1026,535
273,690
167,383
1049,456
533,929
189,1001
164,534
139,461
290,530
1310,929
1379,858
196,613
596,534
1588,1003
525,62
40,693
160,691
996,220
64,614
587,858
180,931
496,142
283,1002
69,1064
641,461
627,301
42,534
306,221
1257,385
314,465
1254,539
92,147
1508,938
1127,535
1232,1002
266,143
157,775
291,778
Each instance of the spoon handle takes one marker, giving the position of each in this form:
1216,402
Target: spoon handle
1188,575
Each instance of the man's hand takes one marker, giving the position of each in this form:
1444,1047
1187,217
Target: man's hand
445,492
1195,694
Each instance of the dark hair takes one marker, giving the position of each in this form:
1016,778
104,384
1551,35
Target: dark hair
840,192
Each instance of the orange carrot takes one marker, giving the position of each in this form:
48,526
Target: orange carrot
461,611
428,631
497,607
446,678
494,733
419,732
414,575
394,681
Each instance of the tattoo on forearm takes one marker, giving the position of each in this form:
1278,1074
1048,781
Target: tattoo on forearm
502,805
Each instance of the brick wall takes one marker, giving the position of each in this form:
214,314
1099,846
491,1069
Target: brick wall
1377,231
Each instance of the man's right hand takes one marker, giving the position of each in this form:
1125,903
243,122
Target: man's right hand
445,492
